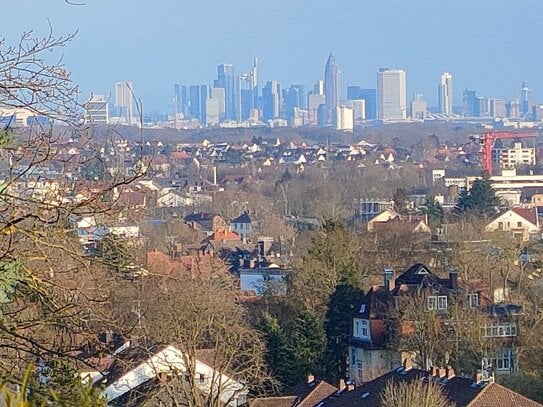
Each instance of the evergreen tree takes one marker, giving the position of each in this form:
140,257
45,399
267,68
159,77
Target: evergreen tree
275,346
480,200
433,211
338,329
305,348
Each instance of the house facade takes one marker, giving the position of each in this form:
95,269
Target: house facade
392,311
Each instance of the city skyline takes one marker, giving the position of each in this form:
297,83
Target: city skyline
182,42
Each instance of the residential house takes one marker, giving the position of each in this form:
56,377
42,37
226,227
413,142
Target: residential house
378,320
458,391
139,373
242,225
305,394
390,220
523,223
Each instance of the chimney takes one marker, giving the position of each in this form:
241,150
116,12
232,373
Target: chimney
453,277
479,377
442,372
450,372
350,386
434,371
341,385
310,378
407,364
261,250
388,273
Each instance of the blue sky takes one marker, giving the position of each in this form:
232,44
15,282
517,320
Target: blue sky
489,45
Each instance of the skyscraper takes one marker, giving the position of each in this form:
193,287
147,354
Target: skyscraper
331,85
525,99
226,79
181,99
445,93
124,101
391,87
369,96
470,103
271,100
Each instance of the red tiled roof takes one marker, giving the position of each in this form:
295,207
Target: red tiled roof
495,395
282,401
530,214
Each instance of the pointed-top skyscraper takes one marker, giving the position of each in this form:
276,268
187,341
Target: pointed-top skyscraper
331,84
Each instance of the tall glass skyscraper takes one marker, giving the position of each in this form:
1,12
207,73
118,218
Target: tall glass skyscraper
331,85
226,79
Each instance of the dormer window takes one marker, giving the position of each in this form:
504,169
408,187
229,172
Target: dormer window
361,329
473,300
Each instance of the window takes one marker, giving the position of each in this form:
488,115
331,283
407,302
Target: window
442,302
502,330
504,361
361,328
519,224
432,302
473,300
202,378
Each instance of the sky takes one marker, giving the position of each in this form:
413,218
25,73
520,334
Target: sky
489,45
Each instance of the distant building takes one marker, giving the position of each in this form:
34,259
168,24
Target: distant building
218,95
293,98
419,107
343,118
212,112
497,108
124,101
226,80
331,84
391,87
313,103
271,99
359,109
525,99
181,99
96,110
445,93
470,103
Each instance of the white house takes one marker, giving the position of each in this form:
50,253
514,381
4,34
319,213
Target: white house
522,222
169,361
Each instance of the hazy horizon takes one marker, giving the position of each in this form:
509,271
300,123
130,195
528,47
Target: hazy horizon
491,46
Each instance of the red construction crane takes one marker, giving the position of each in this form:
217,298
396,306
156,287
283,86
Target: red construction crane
488,143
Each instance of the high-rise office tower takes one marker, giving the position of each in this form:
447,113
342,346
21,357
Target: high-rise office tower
445,93
293,98
226,79
369,96
271,94
254,78
470,103
525,99
218,95
318,88
124,101
331,84
497,108
194,105
391,87
181,99
198,98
